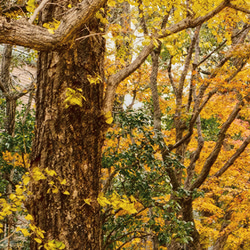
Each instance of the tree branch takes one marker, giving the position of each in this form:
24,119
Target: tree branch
192,121
21,32
142,18
214,154
187,63
192,23
233,6
39,8
233,158
171,79
114,80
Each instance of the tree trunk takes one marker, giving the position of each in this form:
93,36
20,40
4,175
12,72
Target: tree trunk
69,140
187,216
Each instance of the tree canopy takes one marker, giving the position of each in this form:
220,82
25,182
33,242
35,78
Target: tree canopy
142,125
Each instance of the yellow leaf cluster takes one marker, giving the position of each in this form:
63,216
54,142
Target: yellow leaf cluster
52,26
15,159
125,203
74,97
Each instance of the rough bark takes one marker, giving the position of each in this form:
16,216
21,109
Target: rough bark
69,141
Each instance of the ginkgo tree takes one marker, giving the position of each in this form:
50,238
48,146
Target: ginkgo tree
73,110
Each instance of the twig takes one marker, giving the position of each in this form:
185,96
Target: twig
39,8
8,236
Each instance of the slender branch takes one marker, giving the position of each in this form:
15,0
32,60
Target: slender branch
187,63
154,90
214,154
9,236
165,19
24,91
144,234
142,18
134,237
222,44
39,8
157,117
233,6
211,53
192,23
90,35
195,156
233,158
194,75
170,76
192,122
27,110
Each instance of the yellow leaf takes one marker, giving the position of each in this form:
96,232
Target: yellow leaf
50,172
66,192
26,180
12,196
29,217
63,182
25,232
111,3
132,198
55,190
87,201
103,201
31,5
109,118
70,6
38,240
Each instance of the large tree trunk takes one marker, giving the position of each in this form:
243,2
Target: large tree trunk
69,141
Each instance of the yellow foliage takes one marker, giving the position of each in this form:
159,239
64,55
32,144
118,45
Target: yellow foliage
117,202
74,97
52,26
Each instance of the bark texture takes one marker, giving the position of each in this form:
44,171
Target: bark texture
69,141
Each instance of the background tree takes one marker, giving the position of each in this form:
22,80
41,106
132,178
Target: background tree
13,141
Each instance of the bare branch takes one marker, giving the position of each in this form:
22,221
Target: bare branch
39,8
24,91
9,236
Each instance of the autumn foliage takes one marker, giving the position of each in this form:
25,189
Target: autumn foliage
175,159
